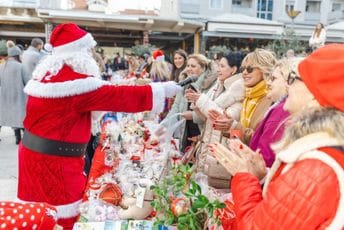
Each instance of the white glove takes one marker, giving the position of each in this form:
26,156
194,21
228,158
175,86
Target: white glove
160,91
171,88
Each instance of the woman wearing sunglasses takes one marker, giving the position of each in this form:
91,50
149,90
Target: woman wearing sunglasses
305,187
255,67
271,128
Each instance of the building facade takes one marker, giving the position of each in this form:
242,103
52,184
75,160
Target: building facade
122,26
177,23
250,22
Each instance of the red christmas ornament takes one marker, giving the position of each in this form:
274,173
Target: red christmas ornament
135,158
179,206
111,194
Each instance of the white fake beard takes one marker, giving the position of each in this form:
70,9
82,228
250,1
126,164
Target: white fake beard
81,62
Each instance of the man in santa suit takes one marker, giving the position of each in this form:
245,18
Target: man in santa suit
65,88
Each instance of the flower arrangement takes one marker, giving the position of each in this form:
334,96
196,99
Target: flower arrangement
178,200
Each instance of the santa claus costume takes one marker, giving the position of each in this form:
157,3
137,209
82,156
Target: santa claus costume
63,92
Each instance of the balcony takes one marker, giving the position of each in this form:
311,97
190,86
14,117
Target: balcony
335,16
313,17
189,8
243,10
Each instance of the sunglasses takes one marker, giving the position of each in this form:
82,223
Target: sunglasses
249,69
292,77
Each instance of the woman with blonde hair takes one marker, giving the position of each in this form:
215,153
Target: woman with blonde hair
159,71
255,67
304,188
203,69
226,96
271,128
318,37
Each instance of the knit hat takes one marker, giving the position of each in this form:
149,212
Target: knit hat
3,48
158,55
13,51
322,72
69,37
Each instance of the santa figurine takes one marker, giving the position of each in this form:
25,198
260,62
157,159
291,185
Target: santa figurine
65,88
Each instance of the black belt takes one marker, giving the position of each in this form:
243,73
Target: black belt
52,147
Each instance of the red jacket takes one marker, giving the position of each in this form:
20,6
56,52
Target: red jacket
304,189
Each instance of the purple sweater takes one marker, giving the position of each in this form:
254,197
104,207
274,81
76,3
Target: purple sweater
269,131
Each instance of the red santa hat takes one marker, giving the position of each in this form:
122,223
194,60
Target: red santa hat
322,73
158,55
70,37
70,70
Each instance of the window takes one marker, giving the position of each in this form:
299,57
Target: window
215,4
336,7
236,2
313,6
264,9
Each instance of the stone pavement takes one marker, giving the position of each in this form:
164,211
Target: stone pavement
8,164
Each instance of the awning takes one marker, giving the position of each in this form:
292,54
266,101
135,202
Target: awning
128,22
243,26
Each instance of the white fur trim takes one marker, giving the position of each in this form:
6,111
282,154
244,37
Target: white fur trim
80,61
158,97
292,153
63,89
86,42
338,220
160,58
68,210
307,143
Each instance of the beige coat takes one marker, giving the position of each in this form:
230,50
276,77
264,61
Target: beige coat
258,115
230,100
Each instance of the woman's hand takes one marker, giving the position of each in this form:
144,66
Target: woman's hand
213,114
220,121
239,159
191,95
187,115
223,123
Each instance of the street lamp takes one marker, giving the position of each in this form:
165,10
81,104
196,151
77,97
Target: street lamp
292,14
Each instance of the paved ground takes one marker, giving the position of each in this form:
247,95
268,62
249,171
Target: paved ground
8,164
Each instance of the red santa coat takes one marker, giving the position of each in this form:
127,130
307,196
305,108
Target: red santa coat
61,110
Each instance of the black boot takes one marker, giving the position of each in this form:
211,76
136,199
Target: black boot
18,135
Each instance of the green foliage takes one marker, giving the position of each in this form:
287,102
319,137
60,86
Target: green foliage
139,50
216,50
179,184
288,40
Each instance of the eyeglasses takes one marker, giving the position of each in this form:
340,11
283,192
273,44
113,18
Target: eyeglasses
249,69
292,77
270,78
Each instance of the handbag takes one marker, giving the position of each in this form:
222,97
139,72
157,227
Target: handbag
190,153
218,176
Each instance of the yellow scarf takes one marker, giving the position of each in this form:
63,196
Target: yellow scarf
252,98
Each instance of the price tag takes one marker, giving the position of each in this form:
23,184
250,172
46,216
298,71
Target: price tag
140,196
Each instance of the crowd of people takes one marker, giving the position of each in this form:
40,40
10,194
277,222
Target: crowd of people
248,119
